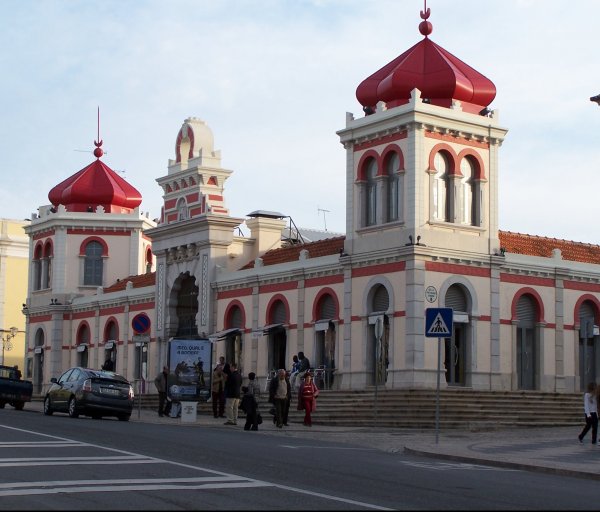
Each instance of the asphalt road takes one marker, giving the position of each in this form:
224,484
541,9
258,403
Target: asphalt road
59,463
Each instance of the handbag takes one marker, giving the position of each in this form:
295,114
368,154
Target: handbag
259,419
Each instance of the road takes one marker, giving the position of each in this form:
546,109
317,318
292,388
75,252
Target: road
56,462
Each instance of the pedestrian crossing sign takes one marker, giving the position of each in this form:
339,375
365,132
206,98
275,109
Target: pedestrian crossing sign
438,322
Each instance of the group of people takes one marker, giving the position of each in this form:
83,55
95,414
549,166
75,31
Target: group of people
228,395
280,395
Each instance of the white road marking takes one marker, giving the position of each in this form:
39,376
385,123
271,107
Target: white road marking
447,466
295,447
231,480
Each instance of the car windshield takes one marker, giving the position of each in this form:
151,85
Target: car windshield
103,374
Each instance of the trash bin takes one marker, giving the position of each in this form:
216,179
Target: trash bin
188,412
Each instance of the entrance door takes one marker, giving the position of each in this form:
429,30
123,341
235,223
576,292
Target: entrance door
454,357
277,349
526,357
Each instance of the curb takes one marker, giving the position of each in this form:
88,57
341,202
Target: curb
503,464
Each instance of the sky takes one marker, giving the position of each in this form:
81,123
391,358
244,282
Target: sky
273,79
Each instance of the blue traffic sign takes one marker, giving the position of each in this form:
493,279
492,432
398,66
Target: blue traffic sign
438,322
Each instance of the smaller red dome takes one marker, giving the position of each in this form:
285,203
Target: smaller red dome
93,186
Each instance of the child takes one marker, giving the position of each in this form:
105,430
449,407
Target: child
250,407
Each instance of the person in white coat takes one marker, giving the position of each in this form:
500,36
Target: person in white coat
590,408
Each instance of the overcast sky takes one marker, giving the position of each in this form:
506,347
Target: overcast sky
273,79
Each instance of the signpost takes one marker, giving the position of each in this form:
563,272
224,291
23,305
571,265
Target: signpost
438,324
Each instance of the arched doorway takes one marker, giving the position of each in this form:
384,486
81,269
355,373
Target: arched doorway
325,336
588,353
111,333
277,343
455,348
527,349
378,336
83,340
187,306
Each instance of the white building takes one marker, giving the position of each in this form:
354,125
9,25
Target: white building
421,231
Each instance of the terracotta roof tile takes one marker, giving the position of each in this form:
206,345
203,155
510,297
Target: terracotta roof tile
531,245
138,282
317,249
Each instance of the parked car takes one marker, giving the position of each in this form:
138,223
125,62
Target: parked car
13,390
89,392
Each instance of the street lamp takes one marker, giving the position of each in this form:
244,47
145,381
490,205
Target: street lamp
6,343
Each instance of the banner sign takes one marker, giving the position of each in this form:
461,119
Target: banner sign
189,370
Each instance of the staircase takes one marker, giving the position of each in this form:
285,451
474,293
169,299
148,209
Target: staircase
460,408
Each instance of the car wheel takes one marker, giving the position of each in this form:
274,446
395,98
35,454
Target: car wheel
47,407
123,417
73,408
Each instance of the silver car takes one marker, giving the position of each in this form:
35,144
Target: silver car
89,392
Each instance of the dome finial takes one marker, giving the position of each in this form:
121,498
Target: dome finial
425,27
98,151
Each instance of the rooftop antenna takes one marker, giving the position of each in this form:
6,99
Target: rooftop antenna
321,210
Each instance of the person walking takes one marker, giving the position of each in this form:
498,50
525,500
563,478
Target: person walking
250,406
161,382
307,398
279,393
217,386
590,409
233,386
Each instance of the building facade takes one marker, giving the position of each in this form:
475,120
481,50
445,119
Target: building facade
421,231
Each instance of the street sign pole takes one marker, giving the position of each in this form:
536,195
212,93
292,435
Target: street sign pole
437,393
438,324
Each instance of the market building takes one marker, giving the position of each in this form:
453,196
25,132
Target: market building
421,181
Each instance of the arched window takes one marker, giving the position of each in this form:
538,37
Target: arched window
93,265
371,194
47,266
441,188
37,268
148,260
394,189
469,193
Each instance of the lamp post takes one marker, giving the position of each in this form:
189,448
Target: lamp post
6,340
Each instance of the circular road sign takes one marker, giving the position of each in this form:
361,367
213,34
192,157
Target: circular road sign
431,294
140,323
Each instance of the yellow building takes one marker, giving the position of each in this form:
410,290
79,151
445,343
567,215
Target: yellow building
14,264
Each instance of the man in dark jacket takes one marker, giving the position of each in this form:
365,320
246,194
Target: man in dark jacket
233,386
161,383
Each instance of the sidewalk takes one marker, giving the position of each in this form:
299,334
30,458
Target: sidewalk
549,450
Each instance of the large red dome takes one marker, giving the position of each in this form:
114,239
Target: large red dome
95,185
440,76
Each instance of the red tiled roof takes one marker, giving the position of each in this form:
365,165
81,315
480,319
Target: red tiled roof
138,282
531,245
317,249
515,243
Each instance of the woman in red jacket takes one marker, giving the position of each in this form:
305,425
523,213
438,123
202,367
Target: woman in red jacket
307,398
